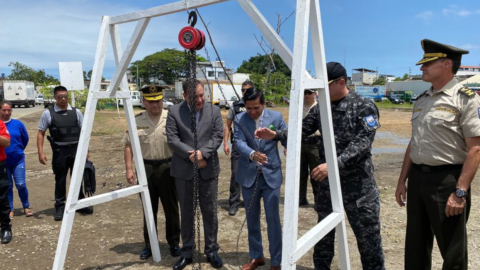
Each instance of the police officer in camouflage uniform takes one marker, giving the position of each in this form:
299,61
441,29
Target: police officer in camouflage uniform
238,107
355,121
440,162
309,156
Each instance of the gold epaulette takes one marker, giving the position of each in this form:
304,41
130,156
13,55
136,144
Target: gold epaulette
467,92
138,114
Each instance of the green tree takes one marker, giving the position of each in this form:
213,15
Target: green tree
380,81
23,72
258,80
259,63
167,65
404,78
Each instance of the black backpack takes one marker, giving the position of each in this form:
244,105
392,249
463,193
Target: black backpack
89,181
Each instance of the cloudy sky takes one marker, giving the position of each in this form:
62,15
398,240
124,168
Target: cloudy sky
374,34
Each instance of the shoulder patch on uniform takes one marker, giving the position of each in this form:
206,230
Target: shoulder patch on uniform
370,120
138,114
467,92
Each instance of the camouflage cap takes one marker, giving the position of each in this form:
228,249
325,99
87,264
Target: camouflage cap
152,92
434,50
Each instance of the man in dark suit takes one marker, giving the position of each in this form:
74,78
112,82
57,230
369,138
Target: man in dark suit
209,129
260,175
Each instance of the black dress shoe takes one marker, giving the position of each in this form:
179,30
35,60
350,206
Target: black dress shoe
233,210
59,213
86,210
303,202
175,251
6,236
215,261
146,253
182,263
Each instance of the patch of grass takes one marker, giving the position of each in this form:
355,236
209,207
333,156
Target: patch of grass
389,105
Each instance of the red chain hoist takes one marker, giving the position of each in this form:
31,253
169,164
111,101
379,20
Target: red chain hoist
189,37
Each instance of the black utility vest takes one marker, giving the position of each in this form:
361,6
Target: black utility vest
64,126
238,107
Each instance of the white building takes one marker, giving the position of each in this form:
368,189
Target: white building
468,70
364,76
212,71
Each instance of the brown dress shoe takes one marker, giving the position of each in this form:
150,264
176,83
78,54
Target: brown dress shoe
278,267
253,264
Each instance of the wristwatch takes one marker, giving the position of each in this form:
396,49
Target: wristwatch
460,193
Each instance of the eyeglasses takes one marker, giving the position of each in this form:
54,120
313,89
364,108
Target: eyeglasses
306,92
62,96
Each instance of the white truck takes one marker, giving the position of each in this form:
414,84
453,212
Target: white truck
223,93
19,93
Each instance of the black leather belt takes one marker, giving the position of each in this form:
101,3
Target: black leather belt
436,169
72,145
157,162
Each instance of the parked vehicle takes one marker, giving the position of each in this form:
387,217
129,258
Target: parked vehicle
136,99
39,100
19,93
285,100
395,99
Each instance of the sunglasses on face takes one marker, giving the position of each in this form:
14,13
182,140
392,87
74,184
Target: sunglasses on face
62,96
308,92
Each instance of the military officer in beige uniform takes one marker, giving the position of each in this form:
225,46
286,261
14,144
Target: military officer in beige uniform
440,162
156,156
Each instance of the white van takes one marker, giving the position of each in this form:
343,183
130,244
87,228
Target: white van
136,99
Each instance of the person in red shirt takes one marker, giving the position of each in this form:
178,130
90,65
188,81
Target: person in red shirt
6,233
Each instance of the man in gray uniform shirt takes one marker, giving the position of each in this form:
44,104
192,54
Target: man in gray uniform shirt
64,124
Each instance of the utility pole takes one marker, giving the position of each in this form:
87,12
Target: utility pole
138,82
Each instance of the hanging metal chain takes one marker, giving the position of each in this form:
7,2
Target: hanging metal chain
248,135
190,72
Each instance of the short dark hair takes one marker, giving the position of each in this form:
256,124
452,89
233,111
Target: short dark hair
253,94
58,89
188,83
5,102
248,83
455,66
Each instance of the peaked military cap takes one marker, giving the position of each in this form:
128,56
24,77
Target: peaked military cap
152,92
434,50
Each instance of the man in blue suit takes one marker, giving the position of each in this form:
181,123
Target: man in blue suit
260,175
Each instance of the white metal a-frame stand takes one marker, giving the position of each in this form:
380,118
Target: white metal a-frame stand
308,11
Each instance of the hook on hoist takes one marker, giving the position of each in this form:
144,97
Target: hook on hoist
189,37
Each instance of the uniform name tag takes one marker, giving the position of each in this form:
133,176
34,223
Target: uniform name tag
370,120
140,128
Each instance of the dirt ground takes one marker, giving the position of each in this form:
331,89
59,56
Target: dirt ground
112,237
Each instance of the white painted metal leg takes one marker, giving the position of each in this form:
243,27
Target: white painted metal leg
81,156
128,54
329,142
147,206
292,176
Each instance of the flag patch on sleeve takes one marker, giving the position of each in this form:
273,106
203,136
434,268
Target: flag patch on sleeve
371,122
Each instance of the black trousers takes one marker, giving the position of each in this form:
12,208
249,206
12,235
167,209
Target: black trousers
62,161
162,186
426,201
235,190
208,196
309,159
4,205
